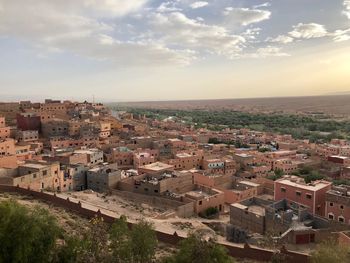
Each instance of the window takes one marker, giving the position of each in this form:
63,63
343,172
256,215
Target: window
44,173
200,202
330,204
308,196
341,207
283,190
331,216
298,193
341,219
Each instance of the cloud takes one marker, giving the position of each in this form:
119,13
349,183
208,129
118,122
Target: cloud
307,31
347,7
264,52
177,29
113,7
168,7
341,35
198,4
251,33
61,27
267,4
270,51
282,39
246,16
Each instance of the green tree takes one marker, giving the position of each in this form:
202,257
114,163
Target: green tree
120,237
278,173
196,249
143,242
26,235
69,251
95,242
331,252
313,176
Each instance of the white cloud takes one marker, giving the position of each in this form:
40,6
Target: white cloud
178,29
198,4
251,33
347,7
267,4
61,26
168,7
107,40
116,7
271,51
311,30
264,52
341,35
282,39
246,16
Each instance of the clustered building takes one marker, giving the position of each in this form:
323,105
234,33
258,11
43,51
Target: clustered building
72,146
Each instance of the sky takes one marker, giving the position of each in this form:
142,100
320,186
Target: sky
136,50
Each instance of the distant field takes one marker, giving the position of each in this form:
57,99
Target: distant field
333,105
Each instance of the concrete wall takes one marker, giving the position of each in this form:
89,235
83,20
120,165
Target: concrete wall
247,220
182,209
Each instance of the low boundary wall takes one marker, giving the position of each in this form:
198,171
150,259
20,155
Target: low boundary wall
181,209
236,251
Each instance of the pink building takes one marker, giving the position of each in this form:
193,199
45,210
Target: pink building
288,166
144,157
121,155
338,204
186,160
8,157
219,166
204,198
155,168
295,190
4,130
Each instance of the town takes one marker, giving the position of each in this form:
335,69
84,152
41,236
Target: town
248,187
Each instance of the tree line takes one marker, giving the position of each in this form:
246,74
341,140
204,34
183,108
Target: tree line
320,128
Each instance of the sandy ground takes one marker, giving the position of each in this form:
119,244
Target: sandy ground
333,105
116,206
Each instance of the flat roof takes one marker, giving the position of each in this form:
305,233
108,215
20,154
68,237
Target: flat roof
182,155
214,160
175,140
34,165
315,186
249,183
258,210
240,206
340,157
157,166
245,155
87,151
197,194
